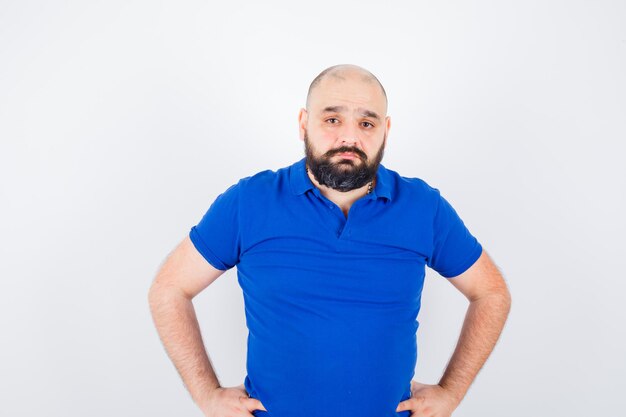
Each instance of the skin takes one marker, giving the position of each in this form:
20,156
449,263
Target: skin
489,305
185,273
482,284
347,126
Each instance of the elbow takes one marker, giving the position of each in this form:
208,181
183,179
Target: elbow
502,299
506,300
499,300
160,294
155,297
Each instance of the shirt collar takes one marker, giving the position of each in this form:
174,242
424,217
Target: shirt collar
301,183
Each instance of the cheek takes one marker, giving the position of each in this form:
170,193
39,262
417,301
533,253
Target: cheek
322,140
326,136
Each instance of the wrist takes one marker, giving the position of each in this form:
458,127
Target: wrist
206,396
456,394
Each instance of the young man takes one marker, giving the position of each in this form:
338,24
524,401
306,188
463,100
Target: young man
331,254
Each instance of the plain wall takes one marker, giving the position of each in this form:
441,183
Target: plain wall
120,122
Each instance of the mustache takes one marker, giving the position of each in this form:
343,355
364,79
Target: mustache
346,149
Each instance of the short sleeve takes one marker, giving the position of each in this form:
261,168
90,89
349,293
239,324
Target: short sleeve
217,235
455,249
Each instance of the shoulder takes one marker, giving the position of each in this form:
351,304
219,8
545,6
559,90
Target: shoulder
262,182
412,188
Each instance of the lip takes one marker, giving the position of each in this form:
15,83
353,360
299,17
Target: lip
347,155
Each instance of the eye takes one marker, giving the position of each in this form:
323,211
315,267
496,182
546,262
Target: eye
333,118
371,125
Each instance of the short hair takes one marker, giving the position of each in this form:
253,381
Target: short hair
336,71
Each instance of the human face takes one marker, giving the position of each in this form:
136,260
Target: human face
345,115
346,173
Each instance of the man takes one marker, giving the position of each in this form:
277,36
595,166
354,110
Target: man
330,255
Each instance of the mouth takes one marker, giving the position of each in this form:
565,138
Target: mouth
348,155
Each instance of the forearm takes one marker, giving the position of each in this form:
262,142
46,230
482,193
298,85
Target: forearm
177,325
483,324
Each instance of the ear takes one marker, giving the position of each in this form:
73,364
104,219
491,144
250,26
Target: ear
387,125
303,117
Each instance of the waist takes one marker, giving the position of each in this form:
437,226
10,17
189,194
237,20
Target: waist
338,378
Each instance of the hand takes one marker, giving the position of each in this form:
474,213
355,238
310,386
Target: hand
429,401
230,402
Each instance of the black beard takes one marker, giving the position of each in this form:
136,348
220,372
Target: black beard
345,175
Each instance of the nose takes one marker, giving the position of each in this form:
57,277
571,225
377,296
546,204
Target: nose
348,135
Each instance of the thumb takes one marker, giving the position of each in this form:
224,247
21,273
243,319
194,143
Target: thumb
258,405
404,405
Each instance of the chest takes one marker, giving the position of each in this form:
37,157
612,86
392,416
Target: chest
373,257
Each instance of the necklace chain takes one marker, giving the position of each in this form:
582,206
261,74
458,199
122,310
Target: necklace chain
369,186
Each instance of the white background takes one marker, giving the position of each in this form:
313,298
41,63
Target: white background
120,122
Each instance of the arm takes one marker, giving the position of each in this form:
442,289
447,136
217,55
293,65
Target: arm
490,303
182,276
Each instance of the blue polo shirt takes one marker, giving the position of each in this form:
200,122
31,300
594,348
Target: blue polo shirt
331,302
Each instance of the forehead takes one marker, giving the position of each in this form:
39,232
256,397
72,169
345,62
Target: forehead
348,94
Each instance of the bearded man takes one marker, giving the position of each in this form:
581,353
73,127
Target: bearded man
331,254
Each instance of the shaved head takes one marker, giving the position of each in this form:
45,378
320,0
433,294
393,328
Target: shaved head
342,72
344,127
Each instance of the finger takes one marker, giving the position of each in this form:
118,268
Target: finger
253,404
245,409
404,405
260,405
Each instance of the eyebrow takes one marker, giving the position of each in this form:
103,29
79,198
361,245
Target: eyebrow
364,112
